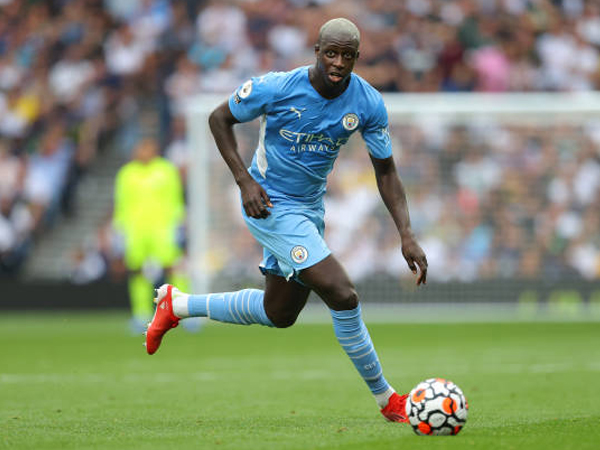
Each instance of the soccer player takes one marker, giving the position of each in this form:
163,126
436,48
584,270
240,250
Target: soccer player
141,184
306,116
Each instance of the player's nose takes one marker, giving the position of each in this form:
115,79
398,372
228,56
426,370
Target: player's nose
338,62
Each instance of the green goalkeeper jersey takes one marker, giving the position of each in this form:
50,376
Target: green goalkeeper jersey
148,196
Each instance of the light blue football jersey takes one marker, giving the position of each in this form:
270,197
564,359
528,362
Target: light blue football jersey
301,132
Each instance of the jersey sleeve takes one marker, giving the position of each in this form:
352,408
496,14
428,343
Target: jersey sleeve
376,132
251,99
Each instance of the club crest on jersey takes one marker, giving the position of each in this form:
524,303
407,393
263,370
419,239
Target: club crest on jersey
299,254
245,90
350,121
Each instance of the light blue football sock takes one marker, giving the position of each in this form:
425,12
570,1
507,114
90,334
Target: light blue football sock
353,336
243,307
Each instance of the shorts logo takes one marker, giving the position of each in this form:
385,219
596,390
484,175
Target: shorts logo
350,121
245,90
299,254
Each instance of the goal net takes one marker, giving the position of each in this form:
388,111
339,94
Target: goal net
503,192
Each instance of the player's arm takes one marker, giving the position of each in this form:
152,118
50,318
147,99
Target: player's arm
394,197
254,198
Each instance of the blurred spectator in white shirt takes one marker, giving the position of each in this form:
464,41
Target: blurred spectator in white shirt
71,74
182,84
125,53
222,23
47,171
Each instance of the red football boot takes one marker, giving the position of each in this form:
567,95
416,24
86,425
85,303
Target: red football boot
395,411
163,319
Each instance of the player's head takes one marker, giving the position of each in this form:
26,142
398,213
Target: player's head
146,150
337,50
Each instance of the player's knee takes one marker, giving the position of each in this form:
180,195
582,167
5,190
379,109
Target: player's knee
281,317
284,320
342,298
350,299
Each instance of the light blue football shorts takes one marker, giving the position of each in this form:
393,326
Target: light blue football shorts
292,239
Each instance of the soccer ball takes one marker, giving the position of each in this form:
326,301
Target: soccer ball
437,407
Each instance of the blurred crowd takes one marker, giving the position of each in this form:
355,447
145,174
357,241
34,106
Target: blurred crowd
56,102
488,200
76,74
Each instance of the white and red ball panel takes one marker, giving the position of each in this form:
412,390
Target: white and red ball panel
437,407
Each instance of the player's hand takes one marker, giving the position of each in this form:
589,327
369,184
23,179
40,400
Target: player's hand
255,199
415,256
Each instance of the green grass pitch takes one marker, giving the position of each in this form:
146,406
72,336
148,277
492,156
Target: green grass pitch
75,381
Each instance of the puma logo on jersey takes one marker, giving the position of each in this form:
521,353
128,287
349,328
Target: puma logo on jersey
297,111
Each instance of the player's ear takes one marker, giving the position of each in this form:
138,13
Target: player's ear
357,54
317,48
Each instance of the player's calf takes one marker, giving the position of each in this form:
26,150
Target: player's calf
282,315
243,307
283,320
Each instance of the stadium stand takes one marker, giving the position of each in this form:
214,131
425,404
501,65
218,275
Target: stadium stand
75,72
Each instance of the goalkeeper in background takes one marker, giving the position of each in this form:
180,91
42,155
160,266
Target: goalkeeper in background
149,209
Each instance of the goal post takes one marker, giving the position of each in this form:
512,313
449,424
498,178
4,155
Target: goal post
493,192
200,142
